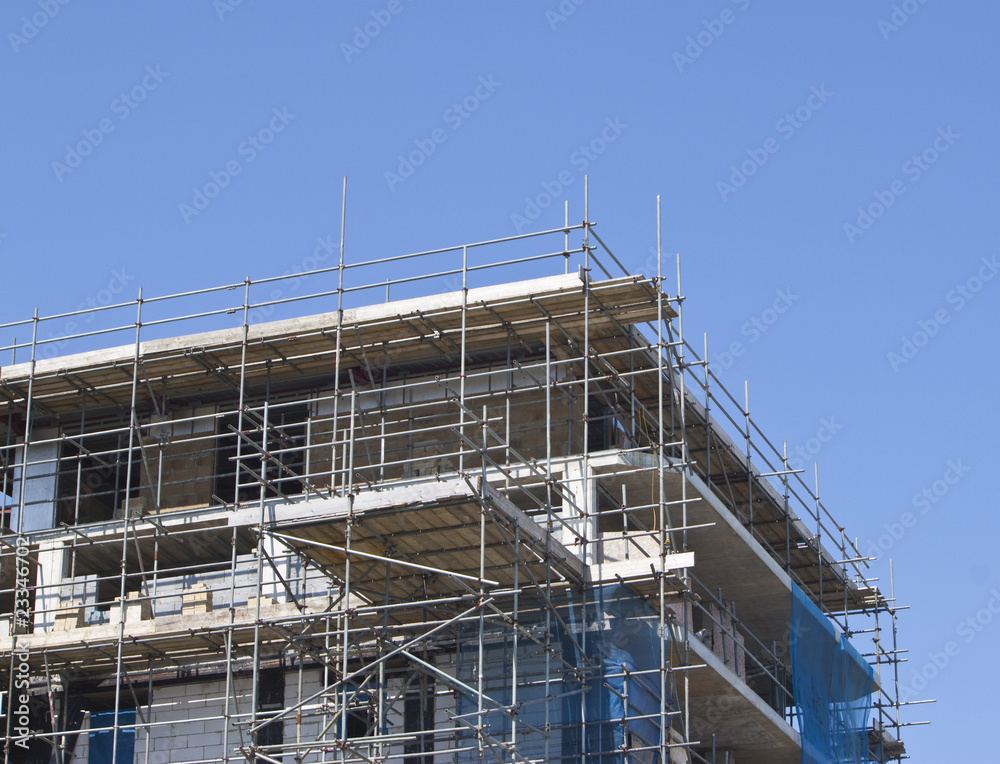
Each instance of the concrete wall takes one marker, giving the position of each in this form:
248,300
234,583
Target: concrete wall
405,431
727,642
181,460
411,429
184,728
68,596
186,723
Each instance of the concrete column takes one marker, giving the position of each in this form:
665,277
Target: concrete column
51,570
271,586
581,485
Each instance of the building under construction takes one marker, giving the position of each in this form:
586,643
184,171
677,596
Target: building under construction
498,509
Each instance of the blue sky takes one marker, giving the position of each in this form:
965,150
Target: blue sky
838,161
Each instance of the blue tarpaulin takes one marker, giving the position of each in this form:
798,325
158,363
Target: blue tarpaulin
832,685
601,705
99,750
621,705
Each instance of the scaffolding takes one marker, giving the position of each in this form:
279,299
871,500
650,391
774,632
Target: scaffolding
449,517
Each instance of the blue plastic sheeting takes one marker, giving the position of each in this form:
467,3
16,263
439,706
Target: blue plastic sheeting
504,648
99,750
595,704
620,708
832,685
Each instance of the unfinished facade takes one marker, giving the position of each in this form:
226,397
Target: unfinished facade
498,511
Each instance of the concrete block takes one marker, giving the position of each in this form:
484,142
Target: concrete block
189,689
722,640
136,608
198,599
136,508
684,614
265,602
70,617
202,740
679,755
177,715
727,642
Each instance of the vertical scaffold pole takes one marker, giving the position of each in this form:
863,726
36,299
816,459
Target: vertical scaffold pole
262,506
226,716
686,473
584,500
242,400
566,238
549,530
661,511
28,424
337,353
516,616
708,419
481,598
20,517
749,468
132,432
787,508
819,536
348,541
682,393
461,374
895,646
